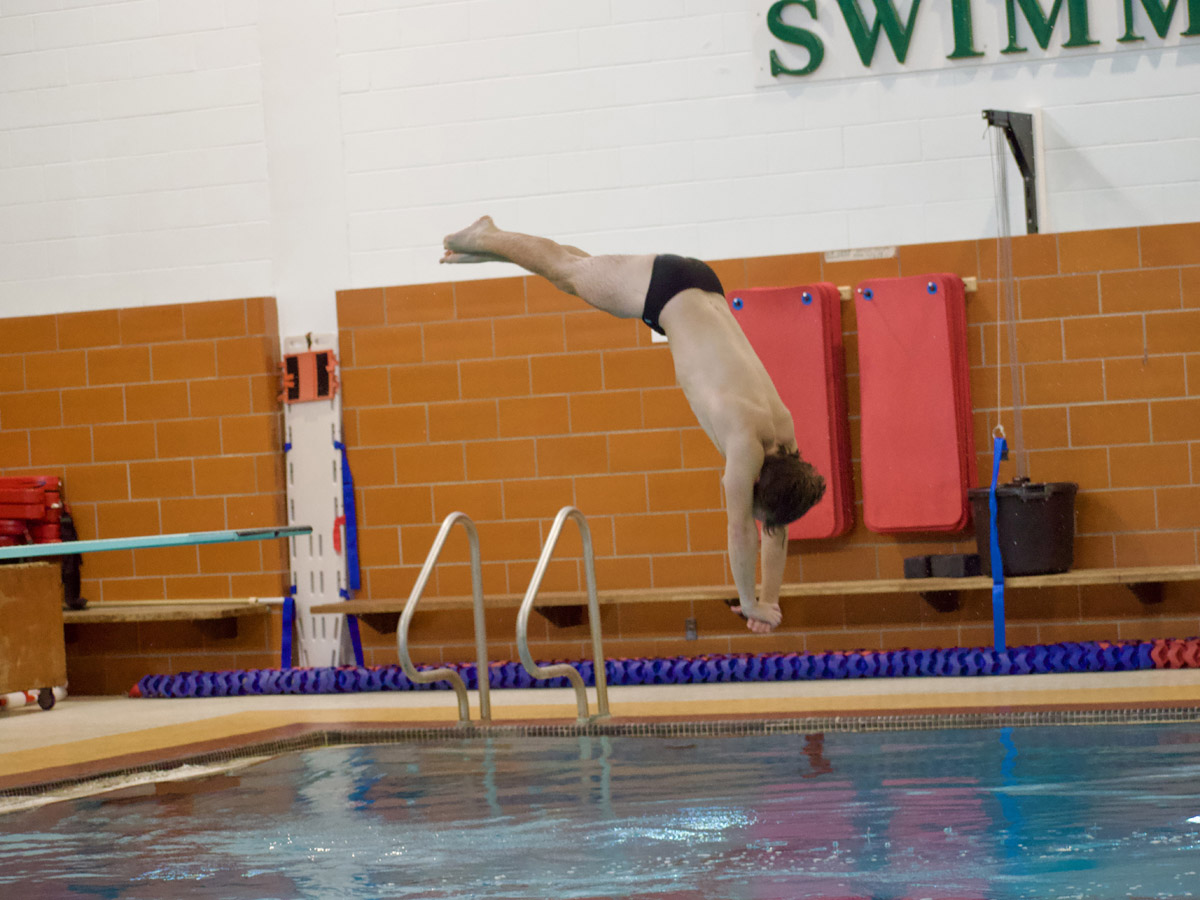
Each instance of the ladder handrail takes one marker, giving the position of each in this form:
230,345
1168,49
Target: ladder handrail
481,660
569,671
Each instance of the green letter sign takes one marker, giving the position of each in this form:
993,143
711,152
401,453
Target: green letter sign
899,29
1042,25
885,17
1160,17
794,35
964,34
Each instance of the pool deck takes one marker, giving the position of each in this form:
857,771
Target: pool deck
84,737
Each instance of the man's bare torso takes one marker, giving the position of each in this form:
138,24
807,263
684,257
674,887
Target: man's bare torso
721,375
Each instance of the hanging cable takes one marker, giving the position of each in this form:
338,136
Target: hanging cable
1006,305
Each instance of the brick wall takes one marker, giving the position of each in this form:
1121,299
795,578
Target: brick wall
160,419
507,400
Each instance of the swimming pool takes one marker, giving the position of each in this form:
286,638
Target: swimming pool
1033,812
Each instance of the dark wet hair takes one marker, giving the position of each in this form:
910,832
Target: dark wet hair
787,488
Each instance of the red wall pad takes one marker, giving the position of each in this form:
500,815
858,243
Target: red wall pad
797,333
918,446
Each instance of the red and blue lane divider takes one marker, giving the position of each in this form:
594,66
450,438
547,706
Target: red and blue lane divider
1084,656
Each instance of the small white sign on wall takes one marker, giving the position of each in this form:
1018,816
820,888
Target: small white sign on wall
856,254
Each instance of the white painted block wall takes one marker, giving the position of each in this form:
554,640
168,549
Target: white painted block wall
162,151
132,164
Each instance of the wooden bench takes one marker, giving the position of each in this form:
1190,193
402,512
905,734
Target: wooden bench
220,617
569,608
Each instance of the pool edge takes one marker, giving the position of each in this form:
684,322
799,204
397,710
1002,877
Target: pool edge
308,736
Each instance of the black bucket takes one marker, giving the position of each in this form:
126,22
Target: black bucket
1036,523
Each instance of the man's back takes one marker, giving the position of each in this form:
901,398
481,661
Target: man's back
721,375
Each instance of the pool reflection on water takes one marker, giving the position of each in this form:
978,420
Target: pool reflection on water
1047,812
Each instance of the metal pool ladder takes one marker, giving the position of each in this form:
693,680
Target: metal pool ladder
540,672
481,660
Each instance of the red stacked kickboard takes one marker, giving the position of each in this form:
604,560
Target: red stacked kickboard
918,445
797,333
30,510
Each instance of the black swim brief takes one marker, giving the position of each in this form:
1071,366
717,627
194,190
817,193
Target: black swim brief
671,275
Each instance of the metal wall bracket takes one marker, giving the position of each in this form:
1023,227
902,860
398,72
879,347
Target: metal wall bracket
1018,128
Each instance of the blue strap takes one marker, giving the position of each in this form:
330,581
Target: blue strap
353,577
289,623
348,509
999,452
352,627
355,639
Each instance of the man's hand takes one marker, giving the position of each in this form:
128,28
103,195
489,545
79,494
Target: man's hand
762,619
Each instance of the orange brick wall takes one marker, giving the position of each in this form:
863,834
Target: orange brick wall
507,400
160,419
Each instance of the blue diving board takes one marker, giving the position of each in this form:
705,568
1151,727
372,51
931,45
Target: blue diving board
70,548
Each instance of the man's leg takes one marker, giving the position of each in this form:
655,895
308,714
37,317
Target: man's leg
616,284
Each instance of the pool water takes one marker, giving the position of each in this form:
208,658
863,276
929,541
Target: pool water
1048,812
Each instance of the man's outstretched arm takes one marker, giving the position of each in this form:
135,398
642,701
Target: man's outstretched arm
774,557
743,462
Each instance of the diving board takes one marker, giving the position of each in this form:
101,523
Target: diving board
70,548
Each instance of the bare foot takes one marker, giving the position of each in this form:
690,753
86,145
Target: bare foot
469,242
451,256
761,618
